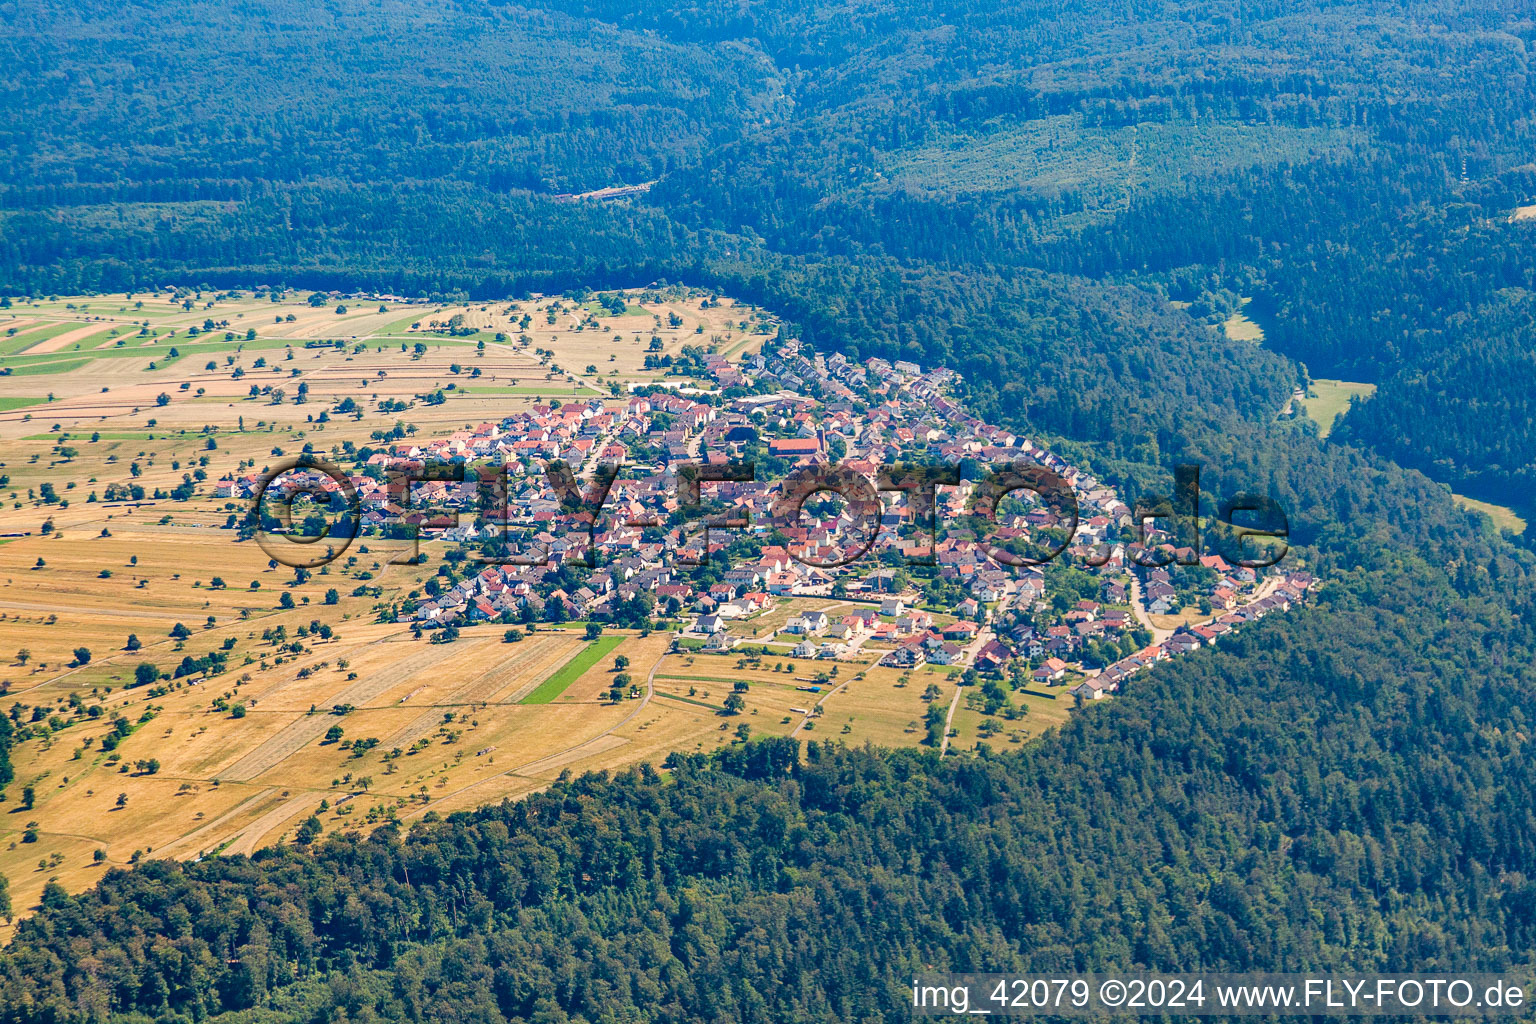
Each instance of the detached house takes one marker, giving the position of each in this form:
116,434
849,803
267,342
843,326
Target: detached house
1051,671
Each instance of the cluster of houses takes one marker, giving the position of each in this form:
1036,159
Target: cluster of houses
889,623
1291,589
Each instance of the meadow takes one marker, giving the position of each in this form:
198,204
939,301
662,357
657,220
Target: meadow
1503,516
1327,400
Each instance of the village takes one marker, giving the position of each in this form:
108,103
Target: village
714,573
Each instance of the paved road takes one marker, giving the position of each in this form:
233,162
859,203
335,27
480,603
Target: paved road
1159,635
1139,610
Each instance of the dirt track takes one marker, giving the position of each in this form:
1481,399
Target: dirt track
247,839
187,846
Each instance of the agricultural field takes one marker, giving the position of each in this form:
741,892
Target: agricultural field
326,713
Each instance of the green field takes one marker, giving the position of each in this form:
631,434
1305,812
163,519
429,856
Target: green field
1328,399
601,311
159,352
1240,328
40,369
29,336
572,670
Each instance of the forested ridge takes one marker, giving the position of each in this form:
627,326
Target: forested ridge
189,101
1016,193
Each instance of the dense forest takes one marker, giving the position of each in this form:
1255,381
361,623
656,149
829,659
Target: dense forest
1316,157
192,101
1017,193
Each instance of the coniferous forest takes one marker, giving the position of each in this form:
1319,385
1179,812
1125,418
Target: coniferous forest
1062,202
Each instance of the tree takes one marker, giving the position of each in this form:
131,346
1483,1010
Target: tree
621,663
735,704
122,800
145,674
28,797
133,643
162,399
594,630
238,711
309,831
180,631
286,601
82,655
23,656
5,899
